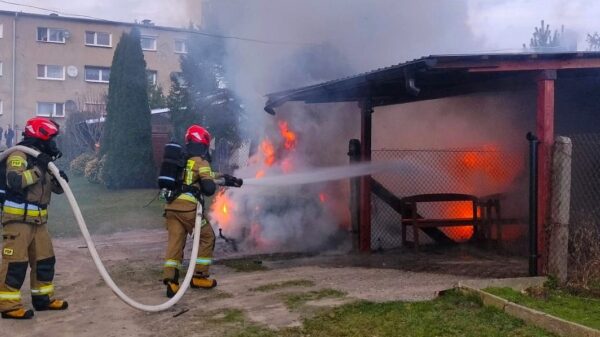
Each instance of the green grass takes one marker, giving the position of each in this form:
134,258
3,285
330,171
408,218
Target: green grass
295,300
105,211
556,302
284,284
244,265
229,316
452,315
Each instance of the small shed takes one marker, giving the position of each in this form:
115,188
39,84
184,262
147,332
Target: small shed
560,82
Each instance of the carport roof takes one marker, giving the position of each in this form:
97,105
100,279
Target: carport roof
438,76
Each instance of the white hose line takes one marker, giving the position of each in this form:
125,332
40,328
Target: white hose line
94,252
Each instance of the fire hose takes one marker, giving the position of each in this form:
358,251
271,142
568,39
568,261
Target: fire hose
92,248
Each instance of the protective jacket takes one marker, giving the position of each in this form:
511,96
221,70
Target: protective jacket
197,176
29,191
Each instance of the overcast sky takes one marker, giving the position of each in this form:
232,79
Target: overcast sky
498,24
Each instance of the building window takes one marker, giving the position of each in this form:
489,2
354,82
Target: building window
98,39
152,76
148,42
50,72
1,68
181,46
1,107
50,109
97,74
1,30
55,35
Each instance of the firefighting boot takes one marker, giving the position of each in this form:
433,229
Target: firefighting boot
172,287
18,314
203,282
54,305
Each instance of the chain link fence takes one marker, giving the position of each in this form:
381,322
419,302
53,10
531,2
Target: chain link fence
498,179
574,231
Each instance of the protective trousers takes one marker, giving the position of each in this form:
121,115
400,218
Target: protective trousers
24,244
179,224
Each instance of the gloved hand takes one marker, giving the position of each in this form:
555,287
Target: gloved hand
63,175
232,181
42,161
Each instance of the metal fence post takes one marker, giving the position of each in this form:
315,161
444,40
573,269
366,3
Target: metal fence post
354,154
558,248
533,201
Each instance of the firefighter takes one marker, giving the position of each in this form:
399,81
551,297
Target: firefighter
198,180
24,215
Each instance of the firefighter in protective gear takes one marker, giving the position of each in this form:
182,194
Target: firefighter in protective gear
198,181
26,240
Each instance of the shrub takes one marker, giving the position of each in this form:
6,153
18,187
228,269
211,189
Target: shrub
77,165
93,170
584,254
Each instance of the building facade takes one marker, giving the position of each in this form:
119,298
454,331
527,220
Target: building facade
51,65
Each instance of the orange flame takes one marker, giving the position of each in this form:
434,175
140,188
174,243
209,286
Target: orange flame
459,210
288,135
268,151
489,163
221,210
322,197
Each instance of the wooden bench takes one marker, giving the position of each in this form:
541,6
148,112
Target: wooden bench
417,222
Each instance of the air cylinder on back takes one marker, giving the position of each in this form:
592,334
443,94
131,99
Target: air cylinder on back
171,167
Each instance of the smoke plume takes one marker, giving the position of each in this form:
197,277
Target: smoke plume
297,43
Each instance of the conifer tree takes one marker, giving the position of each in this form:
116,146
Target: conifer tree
127,140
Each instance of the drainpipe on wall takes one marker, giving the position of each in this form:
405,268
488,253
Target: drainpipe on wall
14,70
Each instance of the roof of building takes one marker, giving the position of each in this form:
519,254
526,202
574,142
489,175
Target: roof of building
437,76
57,17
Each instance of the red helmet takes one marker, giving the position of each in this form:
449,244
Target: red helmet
197,134
41,128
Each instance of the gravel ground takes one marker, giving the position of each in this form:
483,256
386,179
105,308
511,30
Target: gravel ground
135,258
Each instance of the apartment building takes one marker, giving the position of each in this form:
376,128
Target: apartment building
51,65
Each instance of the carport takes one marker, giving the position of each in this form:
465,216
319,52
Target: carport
442,76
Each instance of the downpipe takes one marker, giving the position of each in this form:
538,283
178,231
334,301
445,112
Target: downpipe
92,248
533,201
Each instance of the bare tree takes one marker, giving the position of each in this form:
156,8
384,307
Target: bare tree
593,41
84,124
544,39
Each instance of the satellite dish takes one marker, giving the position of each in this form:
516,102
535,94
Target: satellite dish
72,71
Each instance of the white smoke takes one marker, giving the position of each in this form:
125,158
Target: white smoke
307,42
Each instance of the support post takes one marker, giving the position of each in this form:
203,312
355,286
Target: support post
545,134
558,252
533,204
365,181
354,154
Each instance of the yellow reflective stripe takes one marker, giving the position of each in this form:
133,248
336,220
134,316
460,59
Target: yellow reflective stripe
205,169
17,161
189,172
28,177
45,290
173,264
205,261
10,295
187,197
20,211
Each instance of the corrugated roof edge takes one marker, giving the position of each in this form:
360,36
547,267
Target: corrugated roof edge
277,98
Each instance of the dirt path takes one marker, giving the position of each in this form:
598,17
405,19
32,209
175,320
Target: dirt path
134,260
